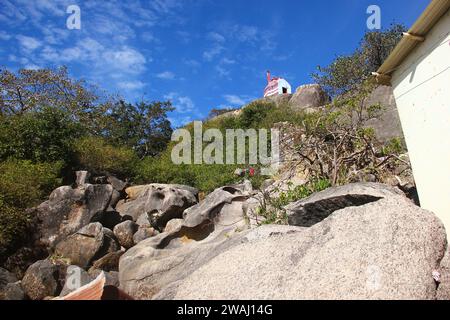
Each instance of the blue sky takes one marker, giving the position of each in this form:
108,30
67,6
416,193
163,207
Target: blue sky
200,54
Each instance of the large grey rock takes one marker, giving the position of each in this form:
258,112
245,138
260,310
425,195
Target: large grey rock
309,211
386,249
387,126
124,233
443,273
69,209
308,96
82,177
117,184
42,279
161,202
144,233
208,229
87,245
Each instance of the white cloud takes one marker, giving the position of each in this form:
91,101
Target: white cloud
4,36
223,72
28,43
191,63
126,59
236,100
217,37
182,104
214,51
227,61
166,75
246,33
131,85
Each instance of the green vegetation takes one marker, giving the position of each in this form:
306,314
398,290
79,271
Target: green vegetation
272,208
22,185
347,72
97,156
51,125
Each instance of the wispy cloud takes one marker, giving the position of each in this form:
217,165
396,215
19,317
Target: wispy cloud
182,104
166,75
237,100
28,43
131,85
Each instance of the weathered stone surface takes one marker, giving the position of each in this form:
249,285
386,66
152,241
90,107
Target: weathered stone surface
76,277
109,262
6,278
117,184
41,280
168,257
387,126
309,211
82,177
87,245
173,225
69,209
144,220
386,249
161,202
124,233
143,233
13,291
308,96
112,277
443,292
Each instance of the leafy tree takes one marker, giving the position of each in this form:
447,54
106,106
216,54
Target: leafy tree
40,136
30,90
143,126
98,156
348,71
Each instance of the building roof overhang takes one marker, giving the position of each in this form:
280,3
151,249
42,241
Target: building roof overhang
415,35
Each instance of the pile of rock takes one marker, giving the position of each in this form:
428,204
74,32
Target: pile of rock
84,229
360,241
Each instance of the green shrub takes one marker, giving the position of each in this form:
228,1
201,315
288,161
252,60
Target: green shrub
204,177
24,184
13,226
272,209
40,136
97,156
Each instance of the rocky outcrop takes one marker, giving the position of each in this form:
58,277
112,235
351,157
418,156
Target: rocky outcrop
309,211
387,126
87,245
69,209
386,249
109,262
124,233
42,279
170,256
161,202
309,96
143,233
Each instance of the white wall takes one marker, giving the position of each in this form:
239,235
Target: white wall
283,83
422,91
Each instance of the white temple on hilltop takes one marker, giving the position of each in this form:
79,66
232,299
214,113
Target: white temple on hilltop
276,86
